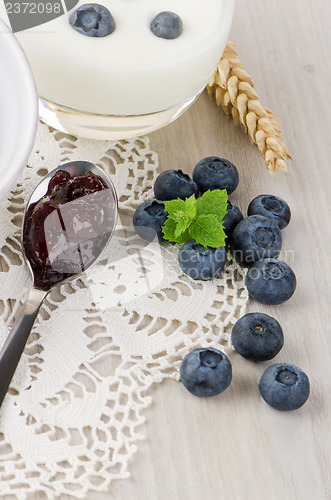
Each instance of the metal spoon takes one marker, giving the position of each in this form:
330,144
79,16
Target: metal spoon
14,345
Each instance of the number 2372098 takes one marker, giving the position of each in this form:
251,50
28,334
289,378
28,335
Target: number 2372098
33,8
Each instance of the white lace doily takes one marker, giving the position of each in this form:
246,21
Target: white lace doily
70,422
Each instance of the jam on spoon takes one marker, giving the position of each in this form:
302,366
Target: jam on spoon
67,228
68,221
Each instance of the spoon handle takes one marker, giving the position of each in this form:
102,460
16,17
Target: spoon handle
14,345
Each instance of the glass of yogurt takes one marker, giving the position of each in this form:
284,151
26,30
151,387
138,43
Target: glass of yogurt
125,75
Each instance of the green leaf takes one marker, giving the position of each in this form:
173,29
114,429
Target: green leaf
190,205
175,208
178,208
208,231
213,202
183,237
168,229
200,219
169,232
182,225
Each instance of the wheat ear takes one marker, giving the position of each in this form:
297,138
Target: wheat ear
233,88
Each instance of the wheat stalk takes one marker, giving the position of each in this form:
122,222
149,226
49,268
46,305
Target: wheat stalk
233,88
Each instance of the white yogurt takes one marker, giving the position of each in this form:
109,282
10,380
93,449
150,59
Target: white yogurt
131,71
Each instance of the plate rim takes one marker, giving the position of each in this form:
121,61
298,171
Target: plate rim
25,146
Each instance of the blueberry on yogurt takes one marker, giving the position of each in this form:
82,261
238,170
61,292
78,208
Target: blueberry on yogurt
167,25
92,19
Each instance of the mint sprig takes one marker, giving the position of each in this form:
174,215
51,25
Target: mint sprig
200,219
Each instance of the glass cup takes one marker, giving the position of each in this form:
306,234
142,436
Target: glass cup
130,82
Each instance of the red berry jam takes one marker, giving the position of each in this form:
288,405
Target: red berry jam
66,230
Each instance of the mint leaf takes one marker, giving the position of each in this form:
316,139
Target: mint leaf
170,234
208,231
200,219
179,208
182,213
182,225
175,208
213,202
191,206
168,229
183,237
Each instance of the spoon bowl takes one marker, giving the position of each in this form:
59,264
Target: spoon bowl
61,238
74,168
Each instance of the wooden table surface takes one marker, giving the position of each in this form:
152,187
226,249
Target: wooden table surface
236,446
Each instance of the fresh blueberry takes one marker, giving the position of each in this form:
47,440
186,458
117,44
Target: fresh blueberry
172,184
271,206
285,387
270,281
257,336
232,218
167,25
201,263
206,372
256,237
92,19
215,173
148,220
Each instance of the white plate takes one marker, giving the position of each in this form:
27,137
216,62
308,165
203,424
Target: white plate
18,110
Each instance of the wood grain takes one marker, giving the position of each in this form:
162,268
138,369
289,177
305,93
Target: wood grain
235,446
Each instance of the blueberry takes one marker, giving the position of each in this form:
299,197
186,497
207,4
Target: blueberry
257,336
206,372
148,220
92,19
215,173
270,281
285,387
232,218
172,184
256,237
167,25
201,263
271,206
